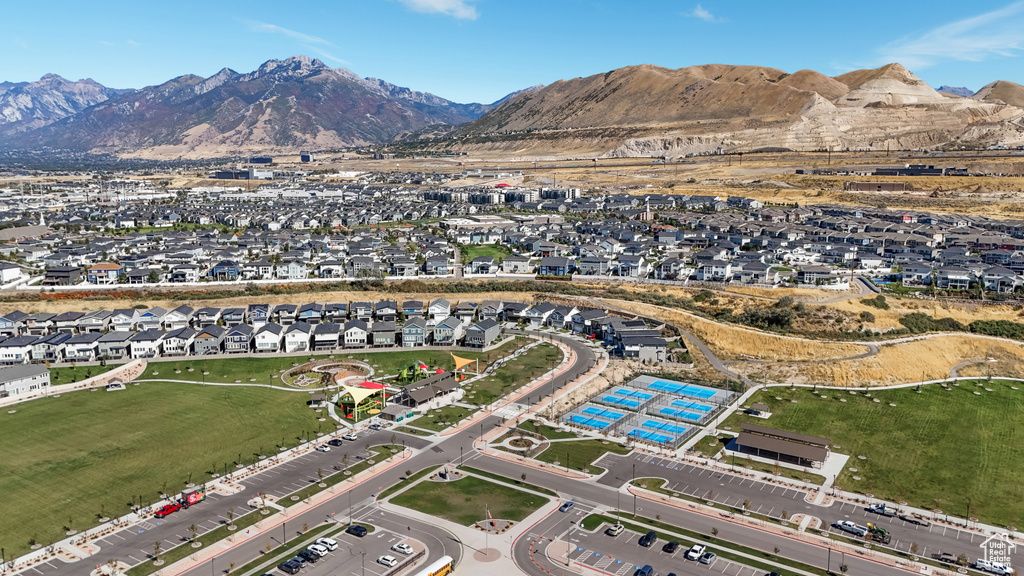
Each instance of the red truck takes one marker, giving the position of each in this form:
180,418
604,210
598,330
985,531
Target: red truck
167,510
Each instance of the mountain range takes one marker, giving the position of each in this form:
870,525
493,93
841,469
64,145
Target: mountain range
298,103
283,106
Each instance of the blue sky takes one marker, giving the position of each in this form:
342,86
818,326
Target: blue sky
479,50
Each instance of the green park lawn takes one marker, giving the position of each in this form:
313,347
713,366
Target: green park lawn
442,418
514,374
69,375
66,460
945,449
268,370
581,454
497,251
463,501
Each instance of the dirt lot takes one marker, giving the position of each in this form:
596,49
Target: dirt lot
962,312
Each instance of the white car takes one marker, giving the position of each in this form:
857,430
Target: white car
317,549
993,567
329,543
615,529
389,561
350,436
694,552
403,548
323,448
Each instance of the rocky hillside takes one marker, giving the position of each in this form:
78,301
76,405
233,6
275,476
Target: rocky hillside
648,110
29,105
283,106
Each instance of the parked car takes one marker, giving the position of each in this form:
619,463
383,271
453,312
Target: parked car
289,567
695,552
356,530
851,527
615,529
670,547
167,510
993,567
317,549
389,561
645,571
309,556
402,548
947,558
334,442
566,507
374,426
350,436
648,539
323,448
708,557
330,543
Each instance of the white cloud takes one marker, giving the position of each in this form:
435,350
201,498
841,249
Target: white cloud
703,14
975,39
460,9
105,42
132,43
314,44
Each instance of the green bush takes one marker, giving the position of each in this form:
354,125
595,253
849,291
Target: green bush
877,302
866,316
1001,328
919,323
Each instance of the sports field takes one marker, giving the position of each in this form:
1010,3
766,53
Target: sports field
945,449
66,460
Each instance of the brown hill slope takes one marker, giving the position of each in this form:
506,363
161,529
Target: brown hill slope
1003,91
648,110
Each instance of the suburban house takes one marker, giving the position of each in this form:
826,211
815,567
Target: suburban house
269,337
178,318
178,342
449,332
209,340
146,344
538,314
50,348
23,380
207,317
238,339
482,333
104,273
438,310
17,350
297,337
516,265
62,276
384,334
325,336
124,319
554,266
645,348
414,333
356,332
115,345
82,347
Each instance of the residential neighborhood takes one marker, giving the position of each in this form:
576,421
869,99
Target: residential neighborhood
357,231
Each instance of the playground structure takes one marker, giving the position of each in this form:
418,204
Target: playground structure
359,401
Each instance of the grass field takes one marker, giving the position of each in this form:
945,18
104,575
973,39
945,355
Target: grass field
68,375
463,501
945,449
442,418
267,370
514,374
497,251
66,460
581,454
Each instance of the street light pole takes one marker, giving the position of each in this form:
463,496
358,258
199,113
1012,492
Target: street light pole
634,494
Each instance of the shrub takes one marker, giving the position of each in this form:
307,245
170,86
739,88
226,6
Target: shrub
918,323
866,316
877,302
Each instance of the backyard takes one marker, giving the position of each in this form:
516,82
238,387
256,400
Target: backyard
94,452
497,251
936,449
463,501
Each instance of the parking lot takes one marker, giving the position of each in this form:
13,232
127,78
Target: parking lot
358,556
621,555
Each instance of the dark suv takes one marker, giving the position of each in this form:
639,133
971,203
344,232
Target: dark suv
356,530
648,539
670,547
289,567
309,556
